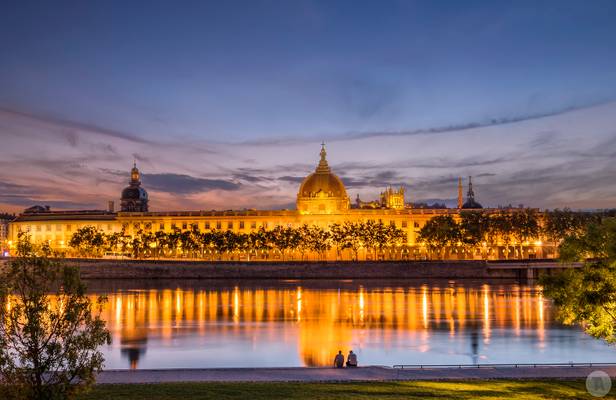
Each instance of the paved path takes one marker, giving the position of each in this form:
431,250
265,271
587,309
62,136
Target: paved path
338,375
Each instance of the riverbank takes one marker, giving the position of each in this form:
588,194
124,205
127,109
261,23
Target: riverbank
361,374
469,390
174,269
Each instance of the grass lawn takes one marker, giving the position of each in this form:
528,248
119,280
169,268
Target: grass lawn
493,389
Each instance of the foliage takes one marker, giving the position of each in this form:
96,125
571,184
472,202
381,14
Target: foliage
439,233
285,241
88,241
49,329
587,296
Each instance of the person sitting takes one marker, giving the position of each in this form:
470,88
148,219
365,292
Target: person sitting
339,360
351,359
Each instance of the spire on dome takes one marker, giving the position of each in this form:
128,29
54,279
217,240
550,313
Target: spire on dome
470,195
135,175
323,166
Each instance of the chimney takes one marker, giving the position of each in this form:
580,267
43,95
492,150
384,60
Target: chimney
111,206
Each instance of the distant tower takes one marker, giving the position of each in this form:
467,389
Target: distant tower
460,196
134,197
470,196
391,198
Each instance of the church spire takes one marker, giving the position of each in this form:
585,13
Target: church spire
323,165
470,195
460,196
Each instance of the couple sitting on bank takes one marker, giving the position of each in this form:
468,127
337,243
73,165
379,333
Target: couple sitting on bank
351,360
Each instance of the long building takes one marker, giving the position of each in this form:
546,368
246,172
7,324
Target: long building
322,200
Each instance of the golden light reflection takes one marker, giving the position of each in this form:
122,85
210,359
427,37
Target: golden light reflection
486,313
320,321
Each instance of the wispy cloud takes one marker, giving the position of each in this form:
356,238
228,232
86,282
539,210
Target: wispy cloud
561,160
185,184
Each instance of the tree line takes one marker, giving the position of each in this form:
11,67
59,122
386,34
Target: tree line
510,231
281,242
481,232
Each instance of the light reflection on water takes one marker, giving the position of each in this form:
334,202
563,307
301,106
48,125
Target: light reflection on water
248,324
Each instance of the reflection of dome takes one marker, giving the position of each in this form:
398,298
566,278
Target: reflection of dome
133,349
322,192
134,197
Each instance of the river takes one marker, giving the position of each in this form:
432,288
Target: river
201,324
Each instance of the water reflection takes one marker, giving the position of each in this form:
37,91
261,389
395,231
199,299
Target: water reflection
298,324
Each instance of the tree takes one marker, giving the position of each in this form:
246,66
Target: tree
88,241
474,229
559,224
439,233
394,237
318,240
351,238
338,238
587,296
501,226
525,227
48,343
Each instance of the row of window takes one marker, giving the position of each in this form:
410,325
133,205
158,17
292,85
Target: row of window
229,225
207,225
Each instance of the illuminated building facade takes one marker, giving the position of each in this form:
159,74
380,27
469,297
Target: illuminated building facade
4,234
322,200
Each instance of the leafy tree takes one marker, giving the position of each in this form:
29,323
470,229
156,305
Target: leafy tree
525,226
352,238
50,330
88,241
338,238
318,240
371,235
474,227
587,296
394,237
559,224
439,233
303,245
501,227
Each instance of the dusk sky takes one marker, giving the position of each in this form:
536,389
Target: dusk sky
225,104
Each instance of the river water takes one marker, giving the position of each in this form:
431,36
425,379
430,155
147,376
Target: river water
183,324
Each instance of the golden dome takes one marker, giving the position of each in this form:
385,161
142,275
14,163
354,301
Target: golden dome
322,192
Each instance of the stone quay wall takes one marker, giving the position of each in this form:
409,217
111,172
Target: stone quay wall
135,269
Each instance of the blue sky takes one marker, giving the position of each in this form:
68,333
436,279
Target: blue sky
218,75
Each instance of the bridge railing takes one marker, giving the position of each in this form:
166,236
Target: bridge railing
510,365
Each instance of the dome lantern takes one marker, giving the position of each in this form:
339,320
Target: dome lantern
134,197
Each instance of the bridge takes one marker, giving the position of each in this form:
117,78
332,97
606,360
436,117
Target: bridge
529,270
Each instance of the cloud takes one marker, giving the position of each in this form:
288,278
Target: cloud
69,129
355,135
185,184
562,160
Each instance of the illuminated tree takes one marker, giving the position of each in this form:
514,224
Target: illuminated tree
318,240
587,296
501,227
352,238
439,233
525,226
50,331
88,241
